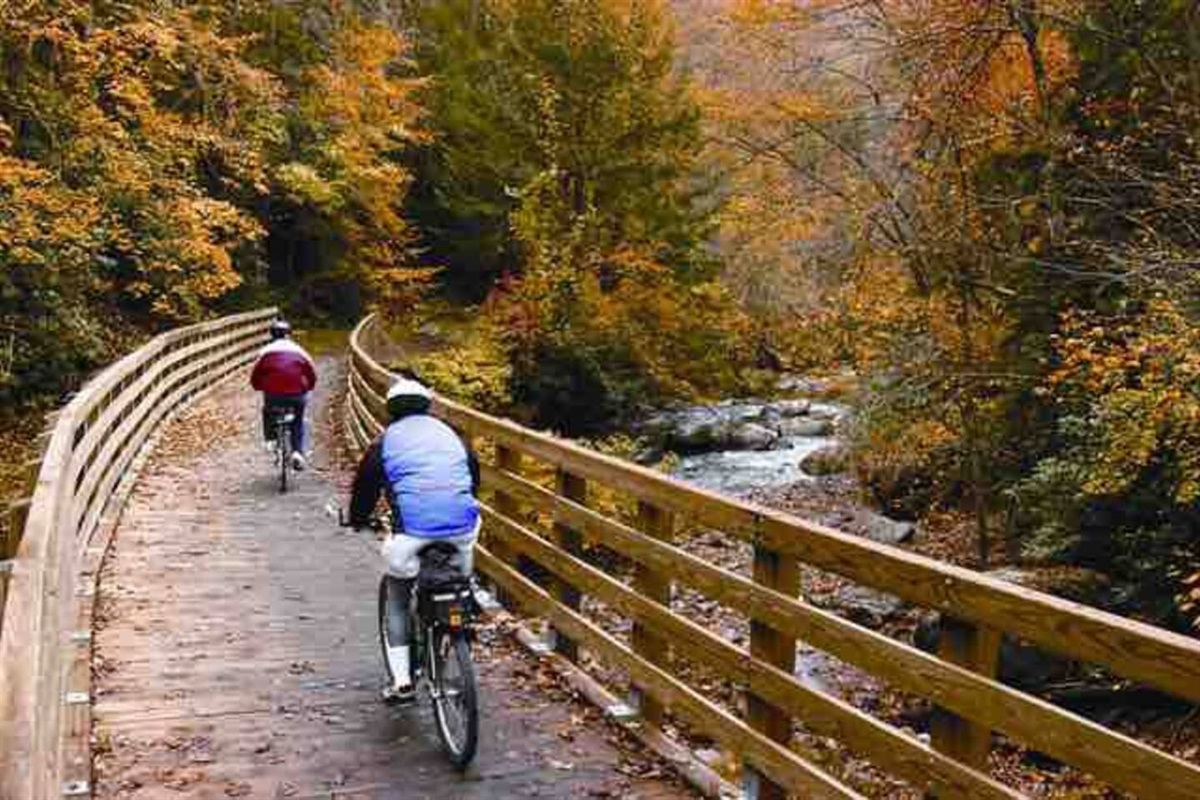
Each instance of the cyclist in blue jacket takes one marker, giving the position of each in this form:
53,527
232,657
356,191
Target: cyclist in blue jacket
431,478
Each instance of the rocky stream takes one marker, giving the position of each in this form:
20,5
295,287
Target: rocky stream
788,453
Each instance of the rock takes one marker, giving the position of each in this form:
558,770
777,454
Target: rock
737,425
802,426
879,528
826,411
832,460
864,606
753,437
738,410
798,384
1021,665
701,429
697,436
785,409
713,539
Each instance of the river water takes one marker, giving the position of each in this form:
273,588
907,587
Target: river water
741,472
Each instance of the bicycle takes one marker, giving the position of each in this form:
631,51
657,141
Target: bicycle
443,608
282,423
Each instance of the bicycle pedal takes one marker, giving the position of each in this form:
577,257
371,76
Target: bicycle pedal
399,697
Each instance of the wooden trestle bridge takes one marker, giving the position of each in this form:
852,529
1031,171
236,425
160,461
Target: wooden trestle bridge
169,627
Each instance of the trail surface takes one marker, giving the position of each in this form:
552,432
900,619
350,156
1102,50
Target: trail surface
236,653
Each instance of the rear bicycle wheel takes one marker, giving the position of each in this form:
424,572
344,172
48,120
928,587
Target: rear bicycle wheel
283,442
455,696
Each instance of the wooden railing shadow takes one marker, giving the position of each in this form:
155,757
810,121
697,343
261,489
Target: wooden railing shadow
58,535
549,523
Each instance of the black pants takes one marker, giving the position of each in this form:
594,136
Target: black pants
273,404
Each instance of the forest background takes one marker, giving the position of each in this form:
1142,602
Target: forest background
984,209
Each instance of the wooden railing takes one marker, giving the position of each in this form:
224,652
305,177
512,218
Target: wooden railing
976,610
56,541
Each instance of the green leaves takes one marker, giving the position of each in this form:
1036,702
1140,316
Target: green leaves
535,97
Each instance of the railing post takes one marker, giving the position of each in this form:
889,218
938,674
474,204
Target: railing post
508,460
660,524
573,488
781,573
976,648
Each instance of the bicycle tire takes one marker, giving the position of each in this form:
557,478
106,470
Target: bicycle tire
383,634
453,648
283,433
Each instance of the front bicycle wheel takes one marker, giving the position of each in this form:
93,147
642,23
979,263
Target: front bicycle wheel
455,697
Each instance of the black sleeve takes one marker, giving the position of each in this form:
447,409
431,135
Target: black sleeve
473,464
368,485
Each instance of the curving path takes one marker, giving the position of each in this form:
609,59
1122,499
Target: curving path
235,651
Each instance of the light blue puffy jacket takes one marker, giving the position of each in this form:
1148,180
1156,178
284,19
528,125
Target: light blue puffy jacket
429,477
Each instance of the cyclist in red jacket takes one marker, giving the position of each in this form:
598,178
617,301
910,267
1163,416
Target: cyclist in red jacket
285,374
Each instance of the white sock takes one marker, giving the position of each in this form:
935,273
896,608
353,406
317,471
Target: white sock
398,661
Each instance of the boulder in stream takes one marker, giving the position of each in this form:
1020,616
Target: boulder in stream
832,460
753,436
697,434
786,409
803,426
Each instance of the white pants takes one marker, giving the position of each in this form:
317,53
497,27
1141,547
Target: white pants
401,552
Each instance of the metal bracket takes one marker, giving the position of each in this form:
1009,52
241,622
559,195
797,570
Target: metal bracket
487,601
622,712
541,647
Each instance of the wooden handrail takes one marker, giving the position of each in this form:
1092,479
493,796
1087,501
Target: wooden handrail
89,453
959,681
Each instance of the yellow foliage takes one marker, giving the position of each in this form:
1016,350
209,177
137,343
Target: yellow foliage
1137,380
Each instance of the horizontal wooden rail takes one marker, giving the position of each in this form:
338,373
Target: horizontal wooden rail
888,747
89,452
779,762
964,687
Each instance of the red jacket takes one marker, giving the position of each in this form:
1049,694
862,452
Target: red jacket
283,368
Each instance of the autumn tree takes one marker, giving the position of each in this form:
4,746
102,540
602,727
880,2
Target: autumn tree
123,137
160,163
595,78
561,183
1007,187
